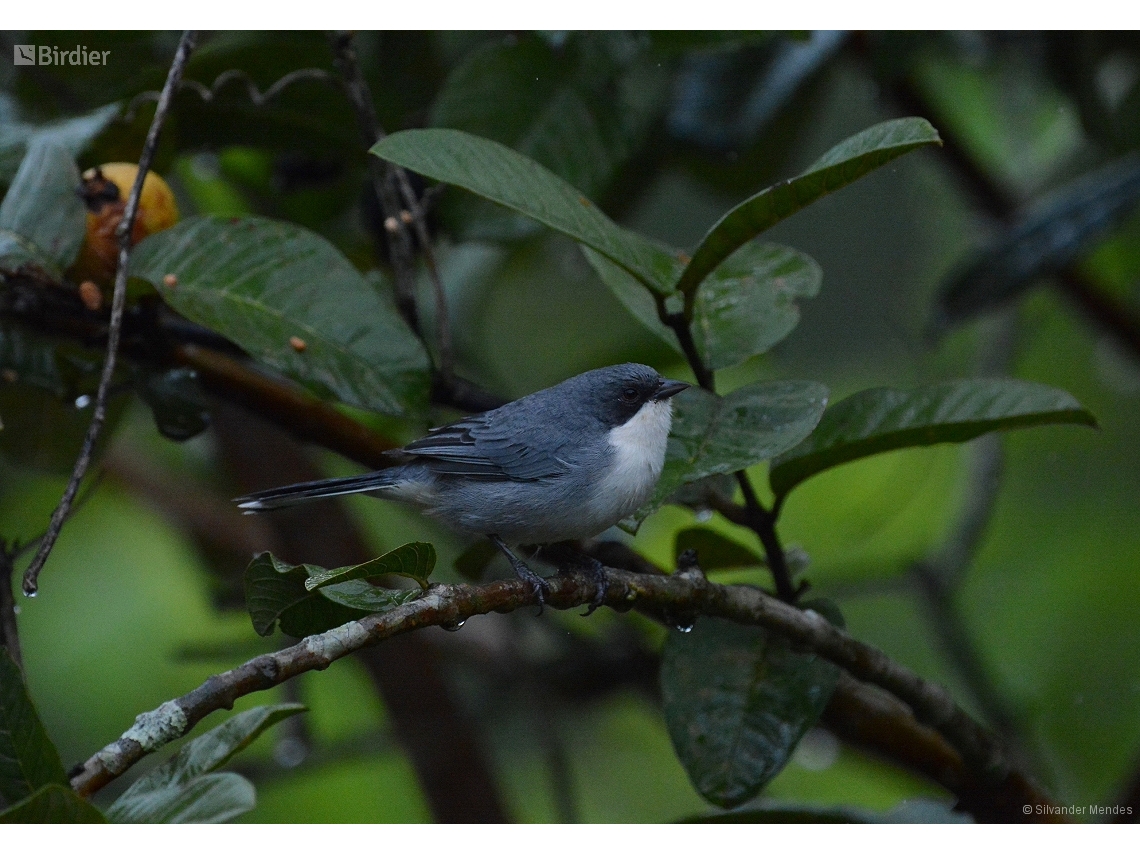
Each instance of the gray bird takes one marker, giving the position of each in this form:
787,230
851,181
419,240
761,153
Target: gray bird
561,464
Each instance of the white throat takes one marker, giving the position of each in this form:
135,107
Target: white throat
639,455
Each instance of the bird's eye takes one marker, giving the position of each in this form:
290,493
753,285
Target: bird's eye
629,394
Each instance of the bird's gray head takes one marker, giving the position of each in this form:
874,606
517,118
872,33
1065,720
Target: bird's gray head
615,394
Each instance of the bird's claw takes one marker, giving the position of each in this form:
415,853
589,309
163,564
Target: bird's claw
602,581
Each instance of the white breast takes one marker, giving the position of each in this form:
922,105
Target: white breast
639,455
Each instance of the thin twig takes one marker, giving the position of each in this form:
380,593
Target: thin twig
118,301
391,185
452,604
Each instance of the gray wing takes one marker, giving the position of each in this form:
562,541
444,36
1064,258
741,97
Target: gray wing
491,446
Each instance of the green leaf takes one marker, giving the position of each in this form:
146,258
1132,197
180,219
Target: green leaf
365,598
1055,235
183,790
846,162
633,295
714,550
268,285
42,218
877,420
213,798
502,175
737,700
715,435
53,804
28,759
413,560
73,134
748,303
275,593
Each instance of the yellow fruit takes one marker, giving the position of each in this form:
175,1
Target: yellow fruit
105,189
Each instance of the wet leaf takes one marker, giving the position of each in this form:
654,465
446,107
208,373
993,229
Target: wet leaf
291,299
715,435
737,700
748,303
877,420
183,789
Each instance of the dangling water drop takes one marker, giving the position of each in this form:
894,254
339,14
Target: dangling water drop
454,626
83,402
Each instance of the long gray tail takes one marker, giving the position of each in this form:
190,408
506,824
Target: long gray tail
295,494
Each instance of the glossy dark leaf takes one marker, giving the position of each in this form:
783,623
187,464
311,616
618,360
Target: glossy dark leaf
846,162
1055,235
183,789
715,435
275,594
877,420
28,759
413,560
737,700
291,299
42,218
53,804
502,175
748,303
714,550
177,402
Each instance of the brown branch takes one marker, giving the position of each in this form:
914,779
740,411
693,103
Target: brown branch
9,634
873,720
452,604
118,302
304,416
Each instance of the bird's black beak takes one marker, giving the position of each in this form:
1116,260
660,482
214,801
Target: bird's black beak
668,389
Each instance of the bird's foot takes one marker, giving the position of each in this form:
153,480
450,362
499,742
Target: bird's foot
538,585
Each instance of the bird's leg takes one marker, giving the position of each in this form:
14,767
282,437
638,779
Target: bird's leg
540,585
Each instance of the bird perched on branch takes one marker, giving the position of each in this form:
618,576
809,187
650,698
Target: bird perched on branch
563,463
